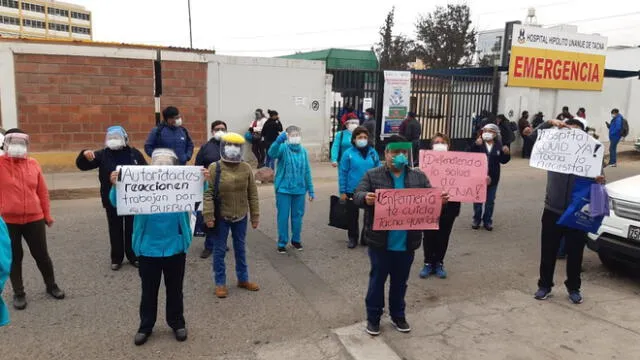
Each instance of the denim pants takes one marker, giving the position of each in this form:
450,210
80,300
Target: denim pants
489,205
239,235
613,151
209,239
290,208
395,265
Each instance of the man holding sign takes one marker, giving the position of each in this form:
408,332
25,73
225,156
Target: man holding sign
391,252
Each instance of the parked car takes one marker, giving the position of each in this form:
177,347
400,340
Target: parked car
637,144
618,239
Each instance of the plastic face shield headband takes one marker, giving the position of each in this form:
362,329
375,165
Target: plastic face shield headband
164,157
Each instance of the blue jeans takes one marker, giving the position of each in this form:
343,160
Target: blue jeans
613,152
289,207
239,235
487,219
210,236
397,266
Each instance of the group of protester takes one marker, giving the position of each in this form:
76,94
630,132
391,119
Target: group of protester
157,243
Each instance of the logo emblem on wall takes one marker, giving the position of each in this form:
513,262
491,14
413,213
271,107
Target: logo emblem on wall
521,37
315,105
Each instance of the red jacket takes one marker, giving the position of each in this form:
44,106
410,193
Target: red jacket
24,197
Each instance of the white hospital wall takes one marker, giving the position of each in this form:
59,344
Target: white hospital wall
623,94
236,86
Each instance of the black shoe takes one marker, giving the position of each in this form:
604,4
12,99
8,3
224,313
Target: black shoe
141,338
475,226
55,292
373,329
181,334
136,264
116,267
489,227
352,243
282,250
20,302
401,325
297,246
205,254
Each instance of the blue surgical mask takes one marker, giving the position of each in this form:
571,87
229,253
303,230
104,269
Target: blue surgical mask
400,161
362,143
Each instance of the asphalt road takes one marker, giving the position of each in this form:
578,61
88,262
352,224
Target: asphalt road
304,295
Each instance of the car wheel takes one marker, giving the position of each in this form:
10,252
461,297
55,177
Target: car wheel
610,262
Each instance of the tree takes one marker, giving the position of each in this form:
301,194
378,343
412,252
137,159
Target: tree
446,37
394,52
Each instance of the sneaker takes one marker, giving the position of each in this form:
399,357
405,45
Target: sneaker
542,294
298,246
373,329
401,325
141,338
441,272
426,271
475,225
116,267
282,250
55,292
488,227
205,253
181,334
612,165
576,297
20,302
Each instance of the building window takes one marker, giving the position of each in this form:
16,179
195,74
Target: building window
9,20
80,16
9,3
33,23
80,30
32,7
58,12
58,27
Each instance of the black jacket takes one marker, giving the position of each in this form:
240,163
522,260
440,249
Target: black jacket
106,161
208,154
411,130
495,158
381,178
270,131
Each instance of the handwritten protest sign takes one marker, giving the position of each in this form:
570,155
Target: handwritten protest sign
407,209
158,189
462,175
568,151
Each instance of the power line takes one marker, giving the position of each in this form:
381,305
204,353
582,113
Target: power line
598,18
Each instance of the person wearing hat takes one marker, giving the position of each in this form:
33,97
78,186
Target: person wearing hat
230,203
411,130
370,124
171,134
5,268
117,152
160,242
26,209
490,144
292,183
342,140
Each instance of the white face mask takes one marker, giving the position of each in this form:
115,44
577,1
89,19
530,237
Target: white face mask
115,144
17,150
295,140
613,116
352,127
179,122
218,135
487,136
362,143
367,117
232,152
440,147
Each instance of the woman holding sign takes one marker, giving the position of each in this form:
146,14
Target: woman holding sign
436,242
231,197
354,164
160,241
490,143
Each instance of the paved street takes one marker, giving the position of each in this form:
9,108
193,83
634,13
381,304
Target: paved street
311,304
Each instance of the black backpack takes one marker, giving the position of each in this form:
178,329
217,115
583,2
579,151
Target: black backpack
162,126
625,128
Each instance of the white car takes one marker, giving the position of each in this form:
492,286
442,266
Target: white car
618,239
637,144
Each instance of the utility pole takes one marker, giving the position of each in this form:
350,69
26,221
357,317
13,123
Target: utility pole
190,32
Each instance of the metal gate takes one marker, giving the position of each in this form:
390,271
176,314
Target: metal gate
445,100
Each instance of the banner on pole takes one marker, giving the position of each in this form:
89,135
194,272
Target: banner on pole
159,189
397,98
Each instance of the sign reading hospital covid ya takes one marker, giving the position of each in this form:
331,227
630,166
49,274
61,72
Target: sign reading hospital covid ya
568,151
158,189
546,58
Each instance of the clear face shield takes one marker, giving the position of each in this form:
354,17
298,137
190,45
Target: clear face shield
294,135
116,138
232,148
163,157
16,145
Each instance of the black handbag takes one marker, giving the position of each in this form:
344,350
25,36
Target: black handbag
338,213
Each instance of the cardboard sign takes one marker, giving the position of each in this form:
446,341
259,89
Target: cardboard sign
159,189
462,175
568,151
407,209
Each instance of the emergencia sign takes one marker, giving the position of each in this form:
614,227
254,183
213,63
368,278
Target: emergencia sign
543,58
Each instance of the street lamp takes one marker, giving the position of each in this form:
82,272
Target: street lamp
190,32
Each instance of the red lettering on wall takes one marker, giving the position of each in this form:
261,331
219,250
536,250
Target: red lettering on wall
529,67
539,67
557,69
575,66
548,65
584,71
517,71
595,72
565,70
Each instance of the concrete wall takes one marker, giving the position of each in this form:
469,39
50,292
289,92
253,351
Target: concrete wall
623,94
238,85
623,59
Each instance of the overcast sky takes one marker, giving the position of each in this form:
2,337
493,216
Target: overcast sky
278,27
